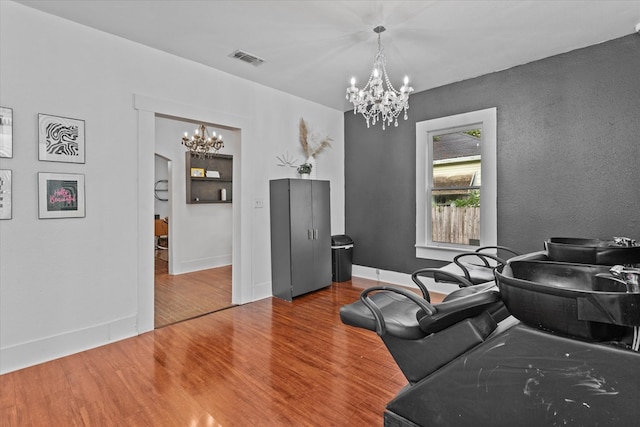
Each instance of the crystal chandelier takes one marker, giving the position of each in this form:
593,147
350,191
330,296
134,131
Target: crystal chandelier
374,100
201,143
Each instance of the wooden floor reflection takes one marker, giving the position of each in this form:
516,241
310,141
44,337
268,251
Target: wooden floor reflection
267,363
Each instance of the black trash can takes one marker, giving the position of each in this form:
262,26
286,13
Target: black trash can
341,257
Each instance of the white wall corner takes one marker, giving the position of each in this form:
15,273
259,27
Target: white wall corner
261,291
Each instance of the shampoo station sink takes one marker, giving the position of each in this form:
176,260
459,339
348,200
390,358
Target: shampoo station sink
568,353
592,302
618,250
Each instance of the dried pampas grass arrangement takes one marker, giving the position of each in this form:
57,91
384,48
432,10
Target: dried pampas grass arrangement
309,144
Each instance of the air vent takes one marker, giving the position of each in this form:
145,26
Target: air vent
247,57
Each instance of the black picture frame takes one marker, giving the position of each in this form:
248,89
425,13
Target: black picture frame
6,209
6,132
61,139
61,195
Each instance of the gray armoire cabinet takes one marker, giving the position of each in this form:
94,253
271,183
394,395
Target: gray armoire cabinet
300,236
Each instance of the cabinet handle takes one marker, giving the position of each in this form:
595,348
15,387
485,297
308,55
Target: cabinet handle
315,234
309,234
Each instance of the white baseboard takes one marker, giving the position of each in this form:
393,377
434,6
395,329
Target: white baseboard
261,291
31,353
402,279
204,264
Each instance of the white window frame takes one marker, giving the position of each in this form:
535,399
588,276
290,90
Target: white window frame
425,131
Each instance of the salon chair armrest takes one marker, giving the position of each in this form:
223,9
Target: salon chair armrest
451,312
498,249
474,273
450,277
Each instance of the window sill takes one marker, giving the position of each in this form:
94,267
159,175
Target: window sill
442,253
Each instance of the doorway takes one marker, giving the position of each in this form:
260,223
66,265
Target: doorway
148,109
193,259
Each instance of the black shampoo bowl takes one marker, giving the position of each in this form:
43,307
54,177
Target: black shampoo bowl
577,300
591,251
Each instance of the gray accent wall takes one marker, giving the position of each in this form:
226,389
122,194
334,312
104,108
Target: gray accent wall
568,155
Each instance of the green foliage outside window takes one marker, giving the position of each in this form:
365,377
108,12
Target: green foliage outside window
472,200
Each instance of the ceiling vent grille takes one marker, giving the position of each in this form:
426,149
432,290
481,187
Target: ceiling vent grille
247,57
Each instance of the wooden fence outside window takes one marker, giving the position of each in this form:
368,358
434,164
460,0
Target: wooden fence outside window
460,225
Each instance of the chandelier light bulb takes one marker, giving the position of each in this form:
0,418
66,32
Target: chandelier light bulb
378,100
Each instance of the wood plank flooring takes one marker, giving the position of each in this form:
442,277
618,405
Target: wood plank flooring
267,363
189,295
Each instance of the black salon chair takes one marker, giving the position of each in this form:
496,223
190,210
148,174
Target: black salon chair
478,266
498,311
422,336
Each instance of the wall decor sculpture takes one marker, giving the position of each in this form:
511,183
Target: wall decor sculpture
6,132
5,194
60,139
61,195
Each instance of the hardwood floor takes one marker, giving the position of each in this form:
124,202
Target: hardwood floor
267,363
189,295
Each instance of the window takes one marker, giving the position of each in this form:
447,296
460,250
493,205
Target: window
456,184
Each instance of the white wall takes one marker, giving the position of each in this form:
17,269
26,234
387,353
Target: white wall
71,284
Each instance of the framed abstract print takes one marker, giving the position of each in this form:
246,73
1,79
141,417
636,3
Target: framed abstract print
60,139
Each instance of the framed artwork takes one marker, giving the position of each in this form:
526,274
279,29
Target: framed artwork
60,139
197,172
61,195
5,194
6,132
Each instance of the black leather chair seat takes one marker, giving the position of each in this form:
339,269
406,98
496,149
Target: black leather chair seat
404,315
399,315
476,274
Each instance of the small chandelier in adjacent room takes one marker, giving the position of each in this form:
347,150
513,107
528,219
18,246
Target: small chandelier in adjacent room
374,100
201,143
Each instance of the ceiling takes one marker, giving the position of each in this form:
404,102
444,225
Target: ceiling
312,48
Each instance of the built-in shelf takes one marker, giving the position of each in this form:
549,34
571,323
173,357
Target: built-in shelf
201,189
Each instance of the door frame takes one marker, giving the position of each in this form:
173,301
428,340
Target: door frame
148,108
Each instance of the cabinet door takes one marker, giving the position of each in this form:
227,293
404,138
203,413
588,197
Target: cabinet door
302,257
321,212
